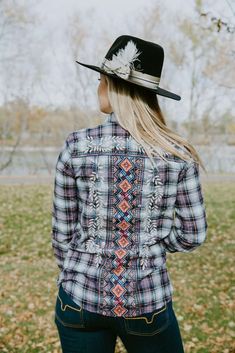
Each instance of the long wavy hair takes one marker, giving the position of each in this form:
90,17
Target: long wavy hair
137,110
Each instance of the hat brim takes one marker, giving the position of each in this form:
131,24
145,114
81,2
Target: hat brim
159,90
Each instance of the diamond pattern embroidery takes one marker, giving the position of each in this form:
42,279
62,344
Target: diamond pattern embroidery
120,253
118,290
118,270
123,225
119,310
119,276
124,206
123,242
126,183
126,164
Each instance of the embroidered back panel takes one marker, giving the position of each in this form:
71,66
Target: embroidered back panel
115,264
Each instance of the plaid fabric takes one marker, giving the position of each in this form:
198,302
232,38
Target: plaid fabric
115,216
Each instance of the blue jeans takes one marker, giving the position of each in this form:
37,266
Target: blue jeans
82,331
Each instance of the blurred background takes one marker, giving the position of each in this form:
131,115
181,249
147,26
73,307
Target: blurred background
45,94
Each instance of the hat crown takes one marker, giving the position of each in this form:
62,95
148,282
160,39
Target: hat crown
151,55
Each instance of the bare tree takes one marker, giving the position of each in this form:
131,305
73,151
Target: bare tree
77,36
14,23
201,56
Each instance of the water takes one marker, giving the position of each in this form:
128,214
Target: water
41,161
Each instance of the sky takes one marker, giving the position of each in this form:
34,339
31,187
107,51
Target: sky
103,18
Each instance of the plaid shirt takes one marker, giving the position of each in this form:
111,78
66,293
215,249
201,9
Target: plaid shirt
114,217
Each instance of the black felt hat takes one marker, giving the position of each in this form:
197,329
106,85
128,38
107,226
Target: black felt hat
137,61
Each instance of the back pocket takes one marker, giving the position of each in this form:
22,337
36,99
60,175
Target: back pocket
148,324
67,312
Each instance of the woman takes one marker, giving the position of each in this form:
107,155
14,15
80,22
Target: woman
126,192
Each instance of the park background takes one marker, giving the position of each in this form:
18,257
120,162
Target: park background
44,95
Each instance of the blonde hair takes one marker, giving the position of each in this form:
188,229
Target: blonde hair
137,110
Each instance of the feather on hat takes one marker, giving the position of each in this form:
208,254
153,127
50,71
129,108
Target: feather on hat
123,61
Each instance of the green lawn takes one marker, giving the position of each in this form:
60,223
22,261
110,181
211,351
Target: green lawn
202,280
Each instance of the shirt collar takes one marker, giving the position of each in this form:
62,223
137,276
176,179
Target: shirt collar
111,118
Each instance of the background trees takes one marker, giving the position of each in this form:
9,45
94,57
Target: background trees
44,94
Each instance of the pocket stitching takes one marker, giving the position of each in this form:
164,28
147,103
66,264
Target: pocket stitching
63,308
148,333
67,305
145,318
129,329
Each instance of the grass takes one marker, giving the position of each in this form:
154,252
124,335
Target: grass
202,280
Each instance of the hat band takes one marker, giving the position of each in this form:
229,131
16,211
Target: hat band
144,79
138,77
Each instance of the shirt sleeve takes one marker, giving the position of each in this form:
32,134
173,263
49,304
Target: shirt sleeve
64,205
190,222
